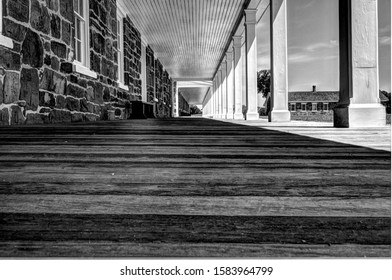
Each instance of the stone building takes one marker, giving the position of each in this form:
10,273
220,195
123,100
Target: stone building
74,61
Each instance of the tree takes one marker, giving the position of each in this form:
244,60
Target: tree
195,110
264,82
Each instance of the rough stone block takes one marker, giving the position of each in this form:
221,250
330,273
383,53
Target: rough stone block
83,105
46,99
60,116
90,93
60,102
47,60
32,50
98,93
66,67
90,107
95,62
55,26
82,82
97,109
34,118
72,104
98,42
40,19
90,118
9,59
59,49
66,9
111,115
53,5
14,30
75,91
77,117
106,94
19,10
17,116
29,83
4,117
59,84
66,32
55,63
11,89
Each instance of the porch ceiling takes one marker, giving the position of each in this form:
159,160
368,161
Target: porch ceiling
189,37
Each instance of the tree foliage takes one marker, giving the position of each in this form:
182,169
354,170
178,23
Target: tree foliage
195,110
264,82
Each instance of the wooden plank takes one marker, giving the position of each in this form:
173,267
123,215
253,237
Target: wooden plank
268,187
195,229
186,205
229,250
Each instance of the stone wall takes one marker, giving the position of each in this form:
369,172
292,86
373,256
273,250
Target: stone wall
37,81
150,68
132,58
162,91
183,106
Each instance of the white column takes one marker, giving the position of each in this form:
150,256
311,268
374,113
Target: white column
177,103
230,85
224,89
220,111
216,97
213,97
359,104
251,64
144,74
237,78
174,86
279,82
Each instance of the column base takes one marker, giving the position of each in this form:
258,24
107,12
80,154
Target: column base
239,116
363,115
252,116
279,116
230,116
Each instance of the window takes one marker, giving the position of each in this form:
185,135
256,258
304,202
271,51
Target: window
326,107
4,41
82,38
120,50
303,106
314,106
292,107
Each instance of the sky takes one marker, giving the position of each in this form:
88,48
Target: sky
313,44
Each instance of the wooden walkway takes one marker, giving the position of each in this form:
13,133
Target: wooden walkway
193,187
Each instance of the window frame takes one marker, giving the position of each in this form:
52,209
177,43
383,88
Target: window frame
120,49
303,106
325,105
83,66
4,40
314,106
293,107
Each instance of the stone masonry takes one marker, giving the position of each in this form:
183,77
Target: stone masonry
38,83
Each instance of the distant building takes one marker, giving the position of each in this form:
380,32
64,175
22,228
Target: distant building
313,101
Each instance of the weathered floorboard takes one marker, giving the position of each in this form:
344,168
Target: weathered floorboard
194,187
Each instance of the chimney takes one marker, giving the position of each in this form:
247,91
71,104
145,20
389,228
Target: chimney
314,88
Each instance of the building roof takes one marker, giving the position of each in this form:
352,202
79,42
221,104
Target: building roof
383,98
321,96
310,96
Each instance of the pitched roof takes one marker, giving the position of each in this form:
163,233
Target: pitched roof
310,96
383,98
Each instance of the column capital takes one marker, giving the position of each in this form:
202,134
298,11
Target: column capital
250,16
229,56
237,41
